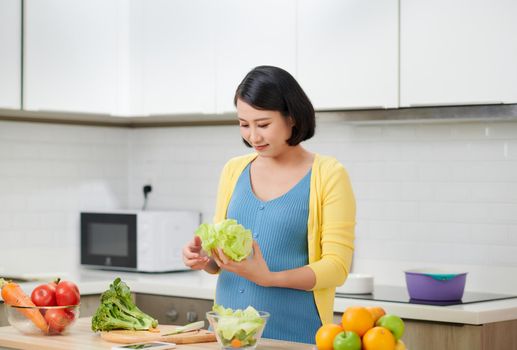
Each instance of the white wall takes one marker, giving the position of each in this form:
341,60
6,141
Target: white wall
48,173
435,194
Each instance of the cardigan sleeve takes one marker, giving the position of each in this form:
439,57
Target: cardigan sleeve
337,224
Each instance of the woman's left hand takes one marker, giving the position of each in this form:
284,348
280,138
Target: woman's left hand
253,268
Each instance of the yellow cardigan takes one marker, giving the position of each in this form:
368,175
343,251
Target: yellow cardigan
330,224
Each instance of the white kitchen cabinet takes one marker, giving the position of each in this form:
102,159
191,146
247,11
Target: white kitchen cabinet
10,58
348,53
174,46
76,56
456,52
249,34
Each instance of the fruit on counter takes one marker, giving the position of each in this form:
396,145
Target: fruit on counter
238,328
357,319
376,312
67,293
326,334
235,240
56,293
378,338
58,319
12,294
118,311
393,323
347,341
360,332
400,345
44,295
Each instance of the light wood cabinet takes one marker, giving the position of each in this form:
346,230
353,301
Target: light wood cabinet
10,59
347,53
423,335
89,304
457,52
3,316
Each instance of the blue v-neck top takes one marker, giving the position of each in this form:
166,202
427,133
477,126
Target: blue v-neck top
280,228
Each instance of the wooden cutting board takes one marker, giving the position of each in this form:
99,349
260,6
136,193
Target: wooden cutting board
128,337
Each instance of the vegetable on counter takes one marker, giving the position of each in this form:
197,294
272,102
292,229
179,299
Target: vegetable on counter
118,311
14,295
238,328
235,240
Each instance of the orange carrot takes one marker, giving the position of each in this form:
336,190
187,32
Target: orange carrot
14,295
236,343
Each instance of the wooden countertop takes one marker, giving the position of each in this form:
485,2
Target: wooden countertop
81,337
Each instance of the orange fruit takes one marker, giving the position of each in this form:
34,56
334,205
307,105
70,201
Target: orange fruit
357,319
325,336
378,338
376,312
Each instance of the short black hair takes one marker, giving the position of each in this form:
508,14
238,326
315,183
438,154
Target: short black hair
274,89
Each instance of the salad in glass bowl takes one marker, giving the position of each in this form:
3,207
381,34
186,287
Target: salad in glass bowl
237,329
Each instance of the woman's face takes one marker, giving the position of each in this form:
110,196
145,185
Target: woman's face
266,131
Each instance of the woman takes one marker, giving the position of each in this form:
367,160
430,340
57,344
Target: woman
299,206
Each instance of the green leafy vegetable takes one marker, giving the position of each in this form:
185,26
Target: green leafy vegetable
118,311
239,324
233,238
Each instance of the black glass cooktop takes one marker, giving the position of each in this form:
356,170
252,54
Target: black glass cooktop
400,295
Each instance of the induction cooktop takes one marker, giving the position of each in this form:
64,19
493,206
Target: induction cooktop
400,295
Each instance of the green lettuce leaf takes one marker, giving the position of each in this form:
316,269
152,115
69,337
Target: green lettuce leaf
235,240
240,324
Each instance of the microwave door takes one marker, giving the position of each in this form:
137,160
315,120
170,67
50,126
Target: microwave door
108,240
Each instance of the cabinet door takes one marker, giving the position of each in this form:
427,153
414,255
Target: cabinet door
174,42
89,304
174,310
348,53
458,52
249,34
72,52
10,58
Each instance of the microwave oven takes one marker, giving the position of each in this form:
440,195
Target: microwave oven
146,241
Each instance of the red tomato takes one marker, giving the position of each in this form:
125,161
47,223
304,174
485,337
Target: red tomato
57,320
44,295
67,293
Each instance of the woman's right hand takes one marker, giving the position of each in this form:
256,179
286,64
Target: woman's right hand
193,255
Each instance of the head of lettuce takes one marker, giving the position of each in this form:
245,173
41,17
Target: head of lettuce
234,240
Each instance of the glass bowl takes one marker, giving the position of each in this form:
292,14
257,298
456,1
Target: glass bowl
46,320
232,333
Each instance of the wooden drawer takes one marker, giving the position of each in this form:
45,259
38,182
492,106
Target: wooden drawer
174,310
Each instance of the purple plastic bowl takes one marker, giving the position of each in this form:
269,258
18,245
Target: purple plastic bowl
435,286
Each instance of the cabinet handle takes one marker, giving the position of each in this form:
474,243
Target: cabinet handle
191,316
172,314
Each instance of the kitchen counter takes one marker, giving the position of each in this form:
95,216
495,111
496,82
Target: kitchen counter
200,285
82,338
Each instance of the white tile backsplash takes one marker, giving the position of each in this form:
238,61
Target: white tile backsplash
428,194
48,174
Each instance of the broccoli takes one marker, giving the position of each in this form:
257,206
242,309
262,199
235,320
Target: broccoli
118,311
